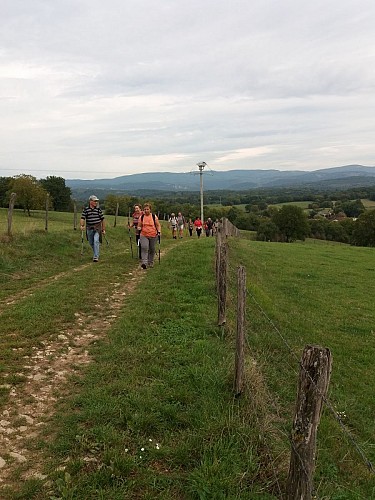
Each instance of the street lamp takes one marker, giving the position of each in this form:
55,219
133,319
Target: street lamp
201,166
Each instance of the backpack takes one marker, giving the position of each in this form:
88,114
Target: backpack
153,218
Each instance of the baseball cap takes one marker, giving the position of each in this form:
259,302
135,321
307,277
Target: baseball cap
93,198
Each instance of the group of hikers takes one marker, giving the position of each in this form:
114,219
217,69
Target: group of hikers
146,226
178,223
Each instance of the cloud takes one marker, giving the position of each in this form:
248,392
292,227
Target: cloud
241,154
126,86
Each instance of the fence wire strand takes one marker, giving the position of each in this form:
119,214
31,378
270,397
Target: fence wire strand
325,399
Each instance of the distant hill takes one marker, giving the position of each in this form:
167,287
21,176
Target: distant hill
233,180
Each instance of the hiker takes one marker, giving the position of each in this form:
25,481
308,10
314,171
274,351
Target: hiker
136,215
198,226
209,225
150,229
180,224
95,225
173,224
190,227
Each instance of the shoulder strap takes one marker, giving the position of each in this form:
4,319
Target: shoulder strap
153,218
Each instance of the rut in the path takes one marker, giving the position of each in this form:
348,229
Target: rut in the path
32,404
28,292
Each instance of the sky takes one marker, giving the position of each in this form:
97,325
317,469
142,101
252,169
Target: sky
99,89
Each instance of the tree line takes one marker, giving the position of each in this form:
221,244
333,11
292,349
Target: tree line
32,193
287,224
290,223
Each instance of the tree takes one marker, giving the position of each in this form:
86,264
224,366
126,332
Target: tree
248,222
350,208
233,213
60,194
336,232
4,188
291,222
30,194
364,230
318,228
125,202
267,231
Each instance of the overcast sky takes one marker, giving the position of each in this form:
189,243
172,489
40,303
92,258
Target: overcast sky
94,89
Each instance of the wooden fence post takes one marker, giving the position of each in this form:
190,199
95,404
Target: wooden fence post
47,207
222,283
240,339
313,384
225,227
10,213
217,259
116,214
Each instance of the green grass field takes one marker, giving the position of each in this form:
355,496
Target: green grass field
153,414
369,204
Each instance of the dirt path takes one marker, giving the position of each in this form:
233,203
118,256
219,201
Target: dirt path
28,292
31,404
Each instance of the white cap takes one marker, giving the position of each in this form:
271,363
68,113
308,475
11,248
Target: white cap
93,198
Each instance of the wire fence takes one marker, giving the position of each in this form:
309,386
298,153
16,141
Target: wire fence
292,359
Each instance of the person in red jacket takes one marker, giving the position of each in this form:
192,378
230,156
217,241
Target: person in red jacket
150,229
198,226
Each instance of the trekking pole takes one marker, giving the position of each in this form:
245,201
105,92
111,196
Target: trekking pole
130,235
159,246
105,237
82,242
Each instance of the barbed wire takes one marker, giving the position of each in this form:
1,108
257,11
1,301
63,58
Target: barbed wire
325,399
231,279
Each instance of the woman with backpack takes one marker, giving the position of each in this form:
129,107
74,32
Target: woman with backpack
136,215
173,224
150,229
190,227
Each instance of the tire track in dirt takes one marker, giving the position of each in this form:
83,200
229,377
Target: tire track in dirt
47,371
32,404
28,292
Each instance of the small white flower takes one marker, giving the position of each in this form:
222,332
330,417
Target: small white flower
150,440
142,449
126,450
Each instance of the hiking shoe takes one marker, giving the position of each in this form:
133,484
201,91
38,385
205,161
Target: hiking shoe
95,259
143,266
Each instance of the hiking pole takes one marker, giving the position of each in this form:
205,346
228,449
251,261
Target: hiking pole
159,246
82,242
105,237
130,234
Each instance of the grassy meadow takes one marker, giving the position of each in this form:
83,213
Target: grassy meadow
154,415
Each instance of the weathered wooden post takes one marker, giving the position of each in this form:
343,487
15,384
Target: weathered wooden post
313,384
116,214
240,339
222,284
225,227
75,215
217,259
47,207
10,212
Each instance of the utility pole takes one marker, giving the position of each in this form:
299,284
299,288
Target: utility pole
201,166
